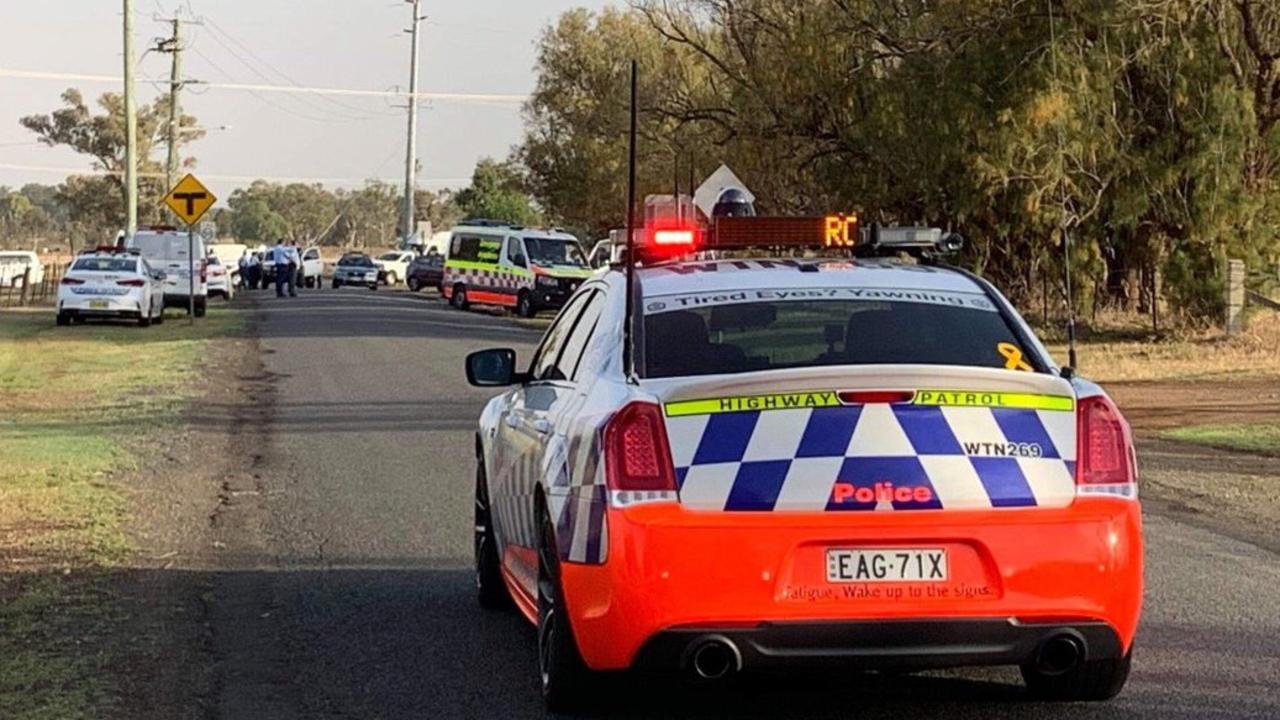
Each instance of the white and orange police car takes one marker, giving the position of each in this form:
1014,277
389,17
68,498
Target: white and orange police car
717,463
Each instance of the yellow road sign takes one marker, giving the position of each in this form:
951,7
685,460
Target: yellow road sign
189,199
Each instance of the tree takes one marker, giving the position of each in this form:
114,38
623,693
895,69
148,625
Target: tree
102,138
368,214
496,193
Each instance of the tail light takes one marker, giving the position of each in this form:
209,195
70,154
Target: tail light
71,281
1105,447
637,455
131,283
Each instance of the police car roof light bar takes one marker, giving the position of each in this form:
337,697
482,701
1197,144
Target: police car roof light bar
628,320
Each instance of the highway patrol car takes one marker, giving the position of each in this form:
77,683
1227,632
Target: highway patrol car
849,461
527,270
110,283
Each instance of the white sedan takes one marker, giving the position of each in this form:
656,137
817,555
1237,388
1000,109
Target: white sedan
220,281
111,284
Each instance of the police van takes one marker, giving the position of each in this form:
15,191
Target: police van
528,270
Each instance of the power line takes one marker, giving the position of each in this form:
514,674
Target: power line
438,182
481,98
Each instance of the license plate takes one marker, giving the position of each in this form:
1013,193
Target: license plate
99,304
886,565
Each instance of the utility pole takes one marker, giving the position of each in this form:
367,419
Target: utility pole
174,46
130,127
411,145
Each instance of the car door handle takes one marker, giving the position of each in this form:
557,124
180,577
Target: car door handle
542,426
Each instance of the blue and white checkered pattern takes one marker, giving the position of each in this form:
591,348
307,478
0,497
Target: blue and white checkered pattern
792,459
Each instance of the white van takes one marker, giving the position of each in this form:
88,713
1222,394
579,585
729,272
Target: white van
167,249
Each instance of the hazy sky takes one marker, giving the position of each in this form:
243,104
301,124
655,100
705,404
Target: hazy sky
470,46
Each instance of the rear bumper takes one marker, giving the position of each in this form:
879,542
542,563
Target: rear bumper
1013,572
883,644
115,306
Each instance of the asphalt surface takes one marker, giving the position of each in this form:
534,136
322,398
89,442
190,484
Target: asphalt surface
348,591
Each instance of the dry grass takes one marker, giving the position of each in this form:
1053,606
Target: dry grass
1203,355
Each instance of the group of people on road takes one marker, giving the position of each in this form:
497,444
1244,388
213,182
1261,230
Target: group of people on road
286,263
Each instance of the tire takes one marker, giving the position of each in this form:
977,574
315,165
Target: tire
459,297
373,286
491,591
143,320
524,305
201,307
62,320
565,680
413,284
159,319
1094,681
337,283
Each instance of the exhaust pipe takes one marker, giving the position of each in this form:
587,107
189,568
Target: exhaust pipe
712,658
1060,654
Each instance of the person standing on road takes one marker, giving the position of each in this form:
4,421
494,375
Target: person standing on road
249,269
293,261
280,258
299,272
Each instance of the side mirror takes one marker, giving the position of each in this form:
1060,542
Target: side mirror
493,368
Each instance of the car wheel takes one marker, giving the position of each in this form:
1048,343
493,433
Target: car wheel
490,590
144,320
373,286
1092,680
337,283
201,307
159,318
459,297
524,305
413,284
564,677
62,320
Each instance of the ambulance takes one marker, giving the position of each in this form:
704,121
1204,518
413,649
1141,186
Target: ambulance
526,270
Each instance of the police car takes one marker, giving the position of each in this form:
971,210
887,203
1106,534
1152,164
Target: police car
110,283
723,461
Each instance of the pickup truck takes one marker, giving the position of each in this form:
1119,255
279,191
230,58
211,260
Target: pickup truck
312,267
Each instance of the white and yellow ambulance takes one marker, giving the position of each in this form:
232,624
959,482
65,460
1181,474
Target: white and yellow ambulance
528,270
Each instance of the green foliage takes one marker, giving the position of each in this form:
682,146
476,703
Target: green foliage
1133,126
496,193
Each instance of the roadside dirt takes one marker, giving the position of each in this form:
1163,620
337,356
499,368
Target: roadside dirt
160,643
1236,494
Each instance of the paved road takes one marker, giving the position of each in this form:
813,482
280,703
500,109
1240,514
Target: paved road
351,595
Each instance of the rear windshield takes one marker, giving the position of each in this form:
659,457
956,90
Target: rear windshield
744,337
106,264
389,256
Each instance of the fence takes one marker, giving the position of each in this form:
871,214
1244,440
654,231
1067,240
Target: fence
18,292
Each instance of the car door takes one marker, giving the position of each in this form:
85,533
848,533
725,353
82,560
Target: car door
311,265
514,263
524,428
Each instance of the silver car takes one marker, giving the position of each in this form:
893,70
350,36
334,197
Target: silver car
356,269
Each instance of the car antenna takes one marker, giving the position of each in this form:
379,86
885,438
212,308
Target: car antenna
1071,306
628,321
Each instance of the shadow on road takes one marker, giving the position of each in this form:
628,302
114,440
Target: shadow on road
411,643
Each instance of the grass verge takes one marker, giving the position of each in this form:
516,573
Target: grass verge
1252,438
73,401
1254,353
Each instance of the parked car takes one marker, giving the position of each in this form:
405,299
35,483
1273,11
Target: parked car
14,265
425,271
169,250
394,266
110,283
356,269
229,255
221,284
310,275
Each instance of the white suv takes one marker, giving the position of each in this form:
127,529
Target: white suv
394,266
169,250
